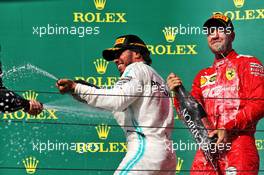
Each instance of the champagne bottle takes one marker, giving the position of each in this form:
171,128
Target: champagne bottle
194,117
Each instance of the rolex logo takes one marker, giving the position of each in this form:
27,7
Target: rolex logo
103,131
30,95
101,65
179,165
239,3
99,4
169,34
30,164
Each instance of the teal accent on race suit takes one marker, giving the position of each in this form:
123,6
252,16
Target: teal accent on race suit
140,151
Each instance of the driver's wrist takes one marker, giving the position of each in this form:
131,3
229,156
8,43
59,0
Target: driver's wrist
73,87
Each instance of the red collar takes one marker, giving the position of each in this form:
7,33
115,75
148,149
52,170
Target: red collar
231,55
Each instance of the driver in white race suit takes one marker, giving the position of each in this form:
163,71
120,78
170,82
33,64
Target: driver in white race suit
141,105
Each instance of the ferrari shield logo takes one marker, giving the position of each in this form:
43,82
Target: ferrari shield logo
230,73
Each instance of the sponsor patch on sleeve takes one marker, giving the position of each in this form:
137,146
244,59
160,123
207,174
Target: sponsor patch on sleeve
256,69
207,80
123,80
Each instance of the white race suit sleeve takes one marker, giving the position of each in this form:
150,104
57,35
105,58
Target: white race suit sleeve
127,90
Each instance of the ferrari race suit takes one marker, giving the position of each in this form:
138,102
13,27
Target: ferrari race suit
140,103
232,93
10,101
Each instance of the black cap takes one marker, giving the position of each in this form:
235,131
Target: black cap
131,42
219,20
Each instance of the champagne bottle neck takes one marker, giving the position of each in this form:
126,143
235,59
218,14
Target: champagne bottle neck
180,91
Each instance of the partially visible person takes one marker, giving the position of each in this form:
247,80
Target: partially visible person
141,105
232,93
11,102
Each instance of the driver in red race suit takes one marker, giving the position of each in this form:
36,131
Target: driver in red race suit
232,93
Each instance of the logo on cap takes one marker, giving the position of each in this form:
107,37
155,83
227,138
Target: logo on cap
220,16
120,41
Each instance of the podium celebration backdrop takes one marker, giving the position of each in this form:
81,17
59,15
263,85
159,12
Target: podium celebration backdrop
42,40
